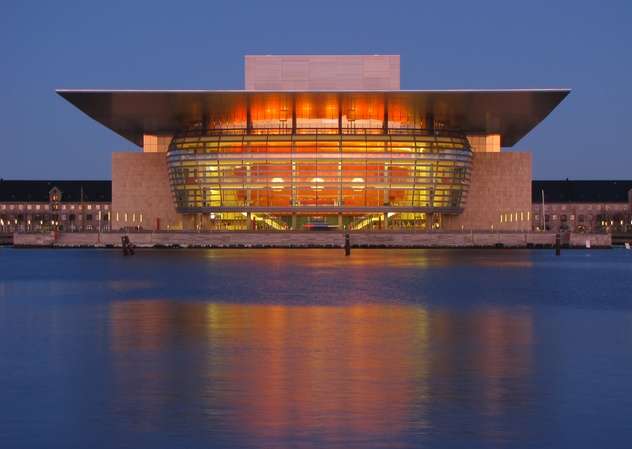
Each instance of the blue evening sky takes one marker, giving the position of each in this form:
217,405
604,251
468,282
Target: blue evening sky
582,45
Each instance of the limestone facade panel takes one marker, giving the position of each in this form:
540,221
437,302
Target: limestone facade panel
500,194
141,195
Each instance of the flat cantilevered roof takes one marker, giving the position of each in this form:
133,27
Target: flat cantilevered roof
132,113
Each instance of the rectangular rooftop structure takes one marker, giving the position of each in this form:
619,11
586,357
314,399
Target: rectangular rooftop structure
320,72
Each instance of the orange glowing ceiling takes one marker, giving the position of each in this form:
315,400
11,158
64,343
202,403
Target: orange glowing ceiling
131,113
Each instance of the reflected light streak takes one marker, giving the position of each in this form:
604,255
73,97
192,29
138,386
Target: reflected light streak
329,372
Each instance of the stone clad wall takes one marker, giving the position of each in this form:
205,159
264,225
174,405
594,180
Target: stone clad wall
500,184
140,189
308,239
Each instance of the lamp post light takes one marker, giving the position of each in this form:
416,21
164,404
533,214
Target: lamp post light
543,216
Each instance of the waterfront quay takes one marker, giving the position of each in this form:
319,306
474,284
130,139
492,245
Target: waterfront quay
311,239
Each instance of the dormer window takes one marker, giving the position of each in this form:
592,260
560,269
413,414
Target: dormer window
54,196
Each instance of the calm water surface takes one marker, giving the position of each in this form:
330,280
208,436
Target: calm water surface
309,349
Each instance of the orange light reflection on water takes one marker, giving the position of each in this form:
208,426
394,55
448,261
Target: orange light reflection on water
268,371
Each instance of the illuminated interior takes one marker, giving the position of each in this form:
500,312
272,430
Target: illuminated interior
292,178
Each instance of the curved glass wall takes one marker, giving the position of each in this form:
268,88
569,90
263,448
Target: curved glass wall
319,170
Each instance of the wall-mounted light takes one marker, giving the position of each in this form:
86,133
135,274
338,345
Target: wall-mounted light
316,183
357,184
277,183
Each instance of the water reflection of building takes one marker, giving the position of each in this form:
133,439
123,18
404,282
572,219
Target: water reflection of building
365,372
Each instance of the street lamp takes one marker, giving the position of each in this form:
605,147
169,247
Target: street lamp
543,216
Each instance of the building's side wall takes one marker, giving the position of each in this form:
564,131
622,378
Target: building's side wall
320,72
141,195
68,216
583,217
499,195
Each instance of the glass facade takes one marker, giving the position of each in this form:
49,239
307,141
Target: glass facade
358,173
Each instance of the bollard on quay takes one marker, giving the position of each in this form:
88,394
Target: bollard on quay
128,248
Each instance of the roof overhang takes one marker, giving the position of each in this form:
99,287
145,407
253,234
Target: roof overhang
132,113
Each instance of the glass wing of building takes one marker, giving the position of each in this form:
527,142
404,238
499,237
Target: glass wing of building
314,172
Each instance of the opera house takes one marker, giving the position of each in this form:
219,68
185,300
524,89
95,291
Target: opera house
319,142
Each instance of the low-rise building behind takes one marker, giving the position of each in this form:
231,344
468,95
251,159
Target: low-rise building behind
582,206
32,206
